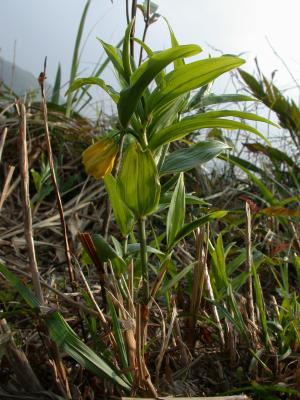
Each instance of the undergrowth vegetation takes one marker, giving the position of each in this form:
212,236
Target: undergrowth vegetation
157,277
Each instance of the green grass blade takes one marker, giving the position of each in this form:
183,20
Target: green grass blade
75,59
117,332
176,213
67,341
57,85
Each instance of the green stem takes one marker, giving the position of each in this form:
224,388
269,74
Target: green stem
144,259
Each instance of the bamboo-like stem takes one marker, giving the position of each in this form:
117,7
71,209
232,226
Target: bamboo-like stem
250,302
26,204
144,259
42,78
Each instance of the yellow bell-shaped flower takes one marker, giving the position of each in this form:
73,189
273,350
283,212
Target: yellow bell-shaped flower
99,158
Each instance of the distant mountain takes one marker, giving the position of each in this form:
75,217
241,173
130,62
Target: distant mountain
20,80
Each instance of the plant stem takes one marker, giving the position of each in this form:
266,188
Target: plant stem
146,20
144,259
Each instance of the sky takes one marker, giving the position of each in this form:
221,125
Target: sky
48,28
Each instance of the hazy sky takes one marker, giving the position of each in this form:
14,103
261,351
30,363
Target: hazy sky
48,27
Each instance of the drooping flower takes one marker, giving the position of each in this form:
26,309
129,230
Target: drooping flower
99,158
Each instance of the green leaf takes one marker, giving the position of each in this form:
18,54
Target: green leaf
180,61
80,82
68,342
144,75
27,295
267,194
211,99
189,77
188,158
194,123
178,276
66,339
105,252
123,215
126,58
134,248
176,213
138,181
190,227
114,55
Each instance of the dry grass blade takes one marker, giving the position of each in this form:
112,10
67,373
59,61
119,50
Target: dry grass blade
26,204
54,180
165,343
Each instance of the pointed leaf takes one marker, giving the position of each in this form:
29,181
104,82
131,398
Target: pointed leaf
189,77
114,55
188,158
194,123
126,52
80,82
176,213
211,99
105,252
144,75
189,228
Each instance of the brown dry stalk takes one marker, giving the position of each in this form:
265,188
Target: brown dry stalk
29,238
2,141
250,302
26,203
165,342
5,190
42,78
